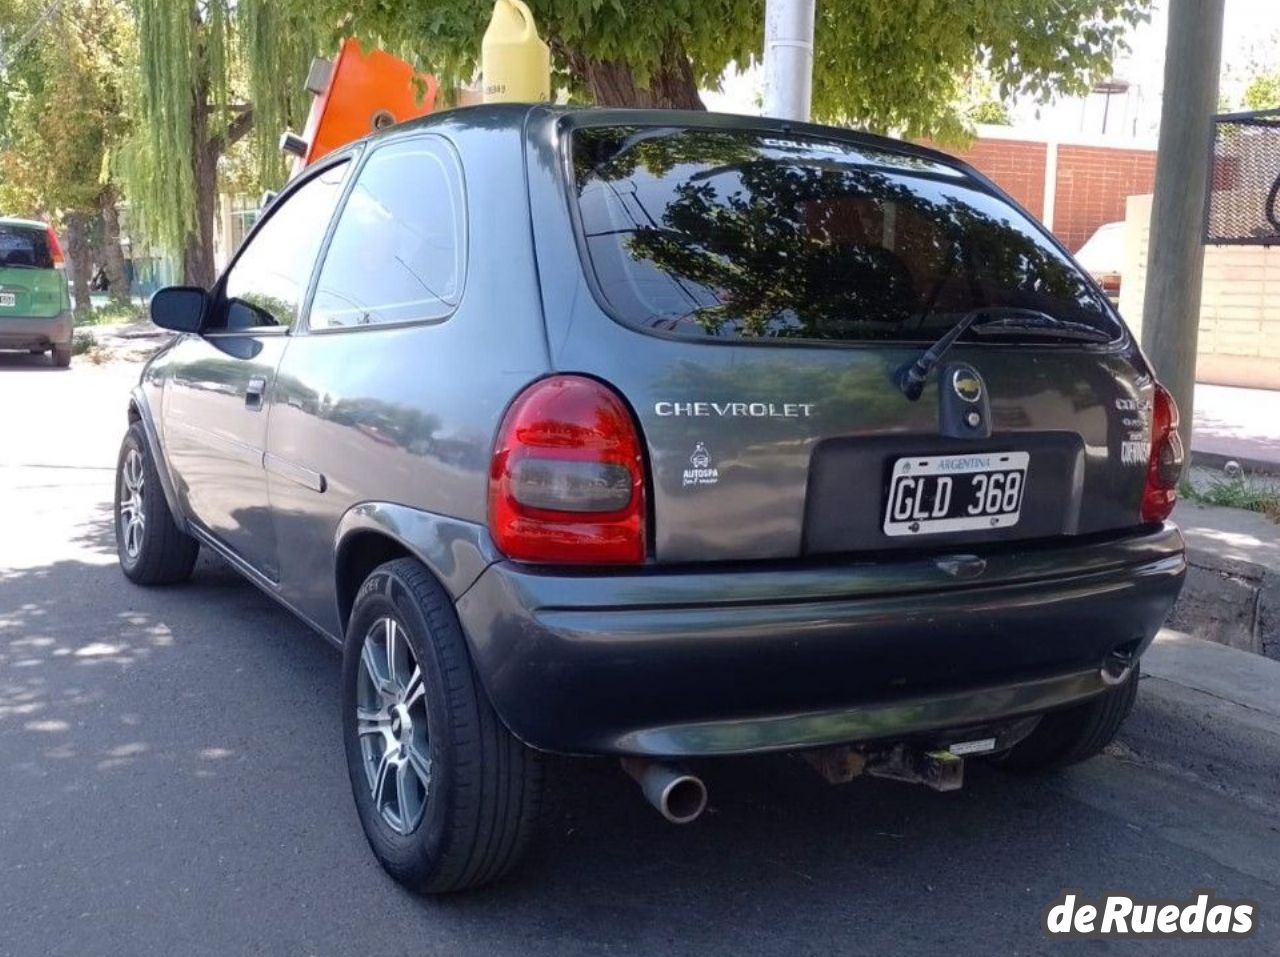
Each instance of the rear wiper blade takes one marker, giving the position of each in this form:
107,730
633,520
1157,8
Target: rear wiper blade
997,319
1041,324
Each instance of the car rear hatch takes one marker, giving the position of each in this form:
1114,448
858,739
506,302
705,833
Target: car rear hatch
756,296
30,285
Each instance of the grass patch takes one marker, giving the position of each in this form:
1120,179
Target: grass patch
82,342
112,313
1243,492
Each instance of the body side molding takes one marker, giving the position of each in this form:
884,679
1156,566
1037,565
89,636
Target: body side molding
286,469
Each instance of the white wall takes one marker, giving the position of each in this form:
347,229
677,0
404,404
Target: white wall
1239,306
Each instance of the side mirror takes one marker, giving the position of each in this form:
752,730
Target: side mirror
180,308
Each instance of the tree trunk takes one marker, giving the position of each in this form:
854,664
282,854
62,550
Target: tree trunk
612,83
197,258
81,262
112,254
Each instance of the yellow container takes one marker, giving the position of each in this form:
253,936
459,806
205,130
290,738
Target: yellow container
515,63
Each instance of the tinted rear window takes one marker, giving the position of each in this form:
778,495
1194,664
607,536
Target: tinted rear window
24,246
740,235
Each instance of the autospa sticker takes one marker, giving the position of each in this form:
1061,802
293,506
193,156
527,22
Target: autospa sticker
1120,915
701,471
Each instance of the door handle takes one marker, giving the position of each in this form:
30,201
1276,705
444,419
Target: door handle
253,392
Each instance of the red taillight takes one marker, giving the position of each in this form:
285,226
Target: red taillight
567,479
55,249
1164,467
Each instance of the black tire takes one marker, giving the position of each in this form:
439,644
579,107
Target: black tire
164,553
1075,734
62,356
485,790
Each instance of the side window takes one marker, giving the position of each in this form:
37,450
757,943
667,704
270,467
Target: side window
399,250
267,284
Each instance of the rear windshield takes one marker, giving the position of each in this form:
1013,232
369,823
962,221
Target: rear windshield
24,246
740,235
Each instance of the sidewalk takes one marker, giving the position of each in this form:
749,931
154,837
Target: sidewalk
1237,424
1231,534
1248,680
132,341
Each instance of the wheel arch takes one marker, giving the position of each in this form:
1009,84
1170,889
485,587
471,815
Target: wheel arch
372,533
140,411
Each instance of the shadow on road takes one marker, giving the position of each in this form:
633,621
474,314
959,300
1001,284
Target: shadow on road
25,362
175,753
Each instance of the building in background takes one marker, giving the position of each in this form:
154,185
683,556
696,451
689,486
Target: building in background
232,221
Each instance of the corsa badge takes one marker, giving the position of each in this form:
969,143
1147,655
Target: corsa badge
966,385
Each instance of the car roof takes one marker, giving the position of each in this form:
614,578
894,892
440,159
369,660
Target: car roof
18,221
536,117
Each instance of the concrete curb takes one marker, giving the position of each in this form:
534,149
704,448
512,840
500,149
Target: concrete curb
1229,601
1218,460
1248,680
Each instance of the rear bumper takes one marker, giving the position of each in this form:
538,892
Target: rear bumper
21,332
701,661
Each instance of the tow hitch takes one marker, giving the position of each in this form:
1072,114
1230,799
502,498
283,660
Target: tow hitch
940,770
938,765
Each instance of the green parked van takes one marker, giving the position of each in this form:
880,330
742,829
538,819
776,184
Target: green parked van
35,303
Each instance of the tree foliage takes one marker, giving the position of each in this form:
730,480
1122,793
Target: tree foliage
62,118
211,72
62,122
205,75
879,64
1262,91
902,64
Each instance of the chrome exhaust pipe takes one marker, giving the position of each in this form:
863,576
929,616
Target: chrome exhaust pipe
1117,666
678,795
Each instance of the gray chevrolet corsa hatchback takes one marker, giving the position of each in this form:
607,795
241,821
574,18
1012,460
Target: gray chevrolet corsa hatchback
663,436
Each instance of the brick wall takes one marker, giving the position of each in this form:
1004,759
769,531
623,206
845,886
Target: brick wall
1093,184
1016,165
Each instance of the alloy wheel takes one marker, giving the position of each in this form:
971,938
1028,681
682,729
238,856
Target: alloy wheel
391,722
133,520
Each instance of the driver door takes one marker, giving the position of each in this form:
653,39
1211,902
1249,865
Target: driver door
217,396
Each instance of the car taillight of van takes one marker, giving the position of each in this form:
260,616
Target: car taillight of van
1164,467
566,484
55,249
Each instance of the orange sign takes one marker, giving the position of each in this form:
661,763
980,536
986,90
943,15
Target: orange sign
364,92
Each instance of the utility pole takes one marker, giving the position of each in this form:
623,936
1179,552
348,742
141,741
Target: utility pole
788,58
1175,263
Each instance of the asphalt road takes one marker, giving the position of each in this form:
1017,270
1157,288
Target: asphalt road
172,782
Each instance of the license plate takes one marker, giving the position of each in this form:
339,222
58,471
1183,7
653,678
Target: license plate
8,299
955,493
